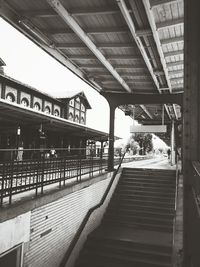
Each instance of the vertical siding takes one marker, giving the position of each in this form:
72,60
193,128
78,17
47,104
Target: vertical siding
53,226
93,222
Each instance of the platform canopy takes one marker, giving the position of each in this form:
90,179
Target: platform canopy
12,115
116,46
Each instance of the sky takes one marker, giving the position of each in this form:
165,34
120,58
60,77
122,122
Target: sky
28,63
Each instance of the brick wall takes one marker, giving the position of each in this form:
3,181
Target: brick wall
53,225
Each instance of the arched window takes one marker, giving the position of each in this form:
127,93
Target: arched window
56,112
82,120
71,102
10,97
82,107
76,118
25,102
47,110
71,117
37,106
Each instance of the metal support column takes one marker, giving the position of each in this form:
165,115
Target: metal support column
172,144
191,131
111,138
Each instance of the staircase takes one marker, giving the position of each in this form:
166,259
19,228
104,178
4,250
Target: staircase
137,227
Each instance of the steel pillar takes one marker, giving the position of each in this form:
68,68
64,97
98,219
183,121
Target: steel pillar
111,138
172,144
191,129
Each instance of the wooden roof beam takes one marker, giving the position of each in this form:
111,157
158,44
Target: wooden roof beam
100,46
110,57
172,40
169,23
143,32
156,3
129,21
121,66
140,99
71,22
128,57
174,53
146,111
151,20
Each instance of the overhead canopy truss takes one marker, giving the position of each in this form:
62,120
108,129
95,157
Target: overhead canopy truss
116,46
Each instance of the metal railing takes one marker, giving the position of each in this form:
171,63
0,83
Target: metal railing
18,176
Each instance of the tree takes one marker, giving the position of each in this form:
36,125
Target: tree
144,141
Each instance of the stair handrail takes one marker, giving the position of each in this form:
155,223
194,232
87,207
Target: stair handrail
87,216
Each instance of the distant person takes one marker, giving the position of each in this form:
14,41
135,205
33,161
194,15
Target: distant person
20,151
168,153
53,152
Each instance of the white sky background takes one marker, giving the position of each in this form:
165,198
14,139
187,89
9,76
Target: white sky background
27,63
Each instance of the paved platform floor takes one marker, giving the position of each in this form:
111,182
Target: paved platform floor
157,162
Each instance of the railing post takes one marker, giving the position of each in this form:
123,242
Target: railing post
60,171
37,177
80,165
64,169
2,183
11,181
42,175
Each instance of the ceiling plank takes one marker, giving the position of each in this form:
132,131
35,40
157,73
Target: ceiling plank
156,3
176,79
100,30
172,40
100,46
176,63
70,21
110,57
174,53
169,23
173,72
89,11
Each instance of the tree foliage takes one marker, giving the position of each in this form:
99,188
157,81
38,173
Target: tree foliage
144,141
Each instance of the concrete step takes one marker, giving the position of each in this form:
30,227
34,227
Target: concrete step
138,218
144,197
144,191
139,225
105,240
141,212
141,206
136,254
140,184
151,172
135,201
148,178
112,259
